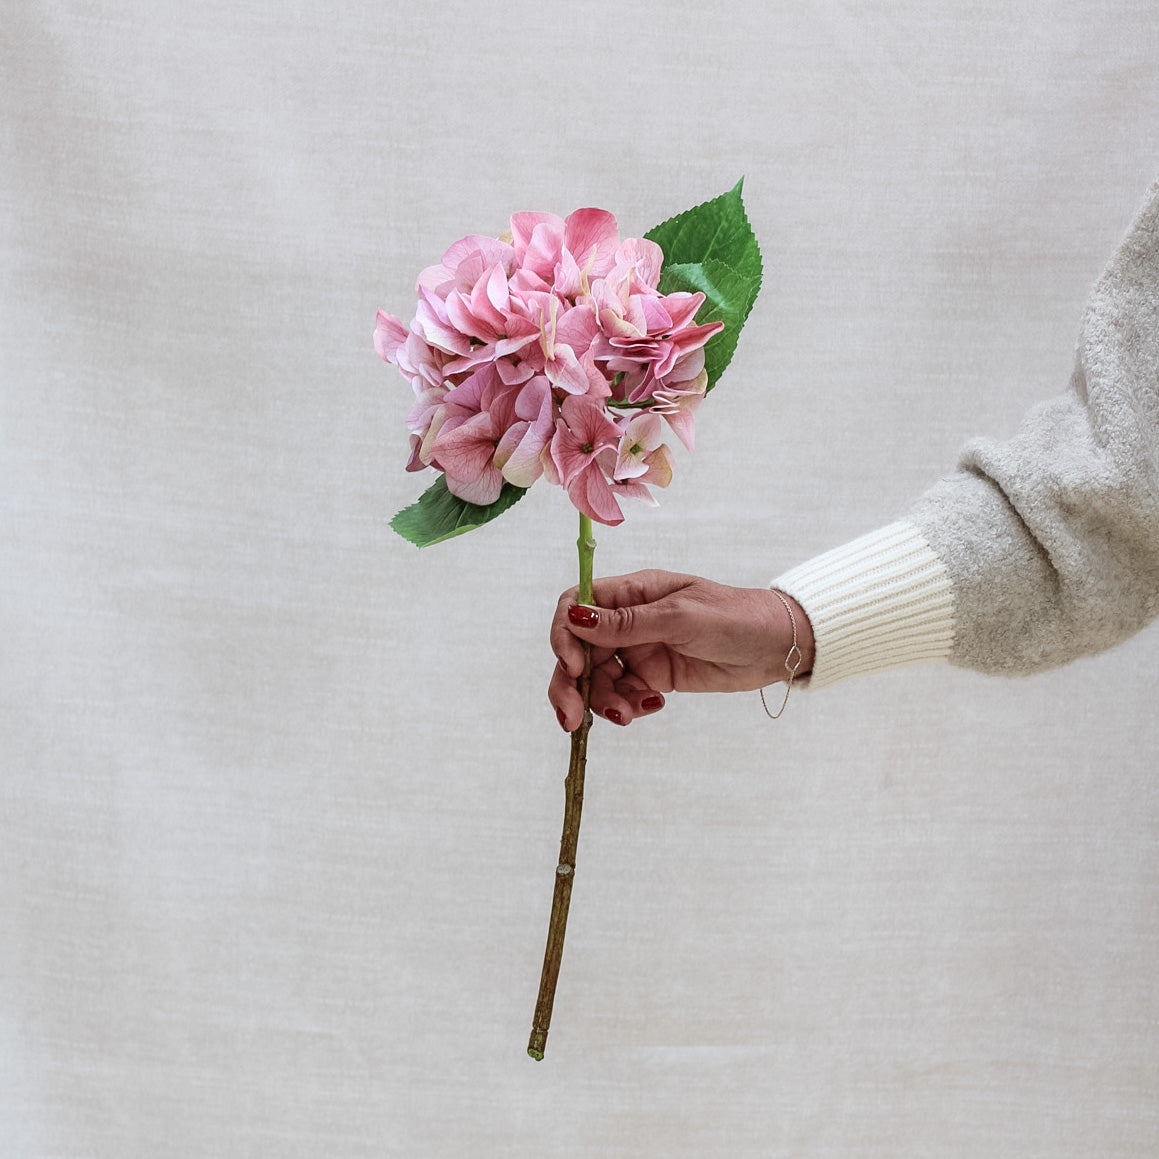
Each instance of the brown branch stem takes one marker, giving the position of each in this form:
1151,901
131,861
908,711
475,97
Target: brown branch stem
573,788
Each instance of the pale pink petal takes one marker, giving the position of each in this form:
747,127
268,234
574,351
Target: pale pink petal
523,225
645,257
437,329
497,292
589,422
686,370
484,490
462,318
415,463
549,469
677,405
567,454
634,489
513,373
598,384
565,372
491,250
518,455
657,320
439,419
682,307
592,494
437,279
470,271
683,425
577,326
641,436
593,237
535,405
659,464
543,250
569,281
466,451
389,335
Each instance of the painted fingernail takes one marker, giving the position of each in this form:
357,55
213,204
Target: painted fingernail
614,716
651,703
561,718
583,617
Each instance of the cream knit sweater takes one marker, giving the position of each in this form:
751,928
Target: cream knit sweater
1040,549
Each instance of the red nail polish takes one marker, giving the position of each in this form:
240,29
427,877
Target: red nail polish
561,718
614,716
651,703
583,617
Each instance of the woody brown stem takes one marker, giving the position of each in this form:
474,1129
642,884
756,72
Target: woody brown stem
573,806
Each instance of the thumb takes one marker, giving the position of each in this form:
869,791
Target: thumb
621,627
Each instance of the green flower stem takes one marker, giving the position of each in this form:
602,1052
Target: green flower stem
573,789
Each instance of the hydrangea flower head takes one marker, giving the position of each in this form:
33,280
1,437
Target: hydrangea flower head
552,354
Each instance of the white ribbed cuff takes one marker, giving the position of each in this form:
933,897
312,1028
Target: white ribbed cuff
882,601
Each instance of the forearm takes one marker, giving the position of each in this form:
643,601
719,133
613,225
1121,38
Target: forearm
1040,549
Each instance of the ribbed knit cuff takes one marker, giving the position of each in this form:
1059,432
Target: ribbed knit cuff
882,601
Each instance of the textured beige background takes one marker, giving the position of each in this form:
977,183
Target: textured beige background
279,794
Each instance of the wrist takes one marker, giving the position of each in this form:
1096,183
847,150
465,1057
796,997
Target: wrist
795,632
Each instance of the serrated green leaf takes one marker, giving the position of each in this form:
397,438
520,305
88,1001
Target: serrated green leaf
439,515
712,249
716,229
728,298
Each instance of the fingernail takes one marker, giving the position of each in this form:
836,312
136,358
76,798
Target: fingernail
651,703
561,718
583,617
614,716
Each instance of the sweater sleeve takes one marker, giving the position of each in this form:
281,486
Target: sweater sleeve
1039,549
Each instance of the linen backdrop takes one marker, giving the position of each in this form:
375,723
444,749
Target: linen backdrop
280,794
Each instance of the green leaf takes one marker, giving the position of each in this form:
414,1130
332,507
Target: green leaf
712,249
439,515
728,298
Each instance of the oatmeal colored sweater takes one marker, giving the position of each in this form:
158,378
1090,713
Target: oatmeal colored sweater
1040,549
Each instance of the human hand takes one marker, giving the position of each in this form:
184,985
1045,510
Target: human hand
671,633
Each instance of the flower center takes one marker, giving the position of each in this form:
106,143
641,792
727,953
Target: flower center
587,448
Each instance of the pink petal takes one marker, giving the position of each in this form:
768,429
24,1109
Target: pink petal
464,320
569,281
484,490
641,436
593,237
577,326
566,455
659,464
589,422
518,455
682,307
466,451
591,492
491,251
513,373
683,424
389,335
634,489
565,372
543,250
645,257
657,320
523,226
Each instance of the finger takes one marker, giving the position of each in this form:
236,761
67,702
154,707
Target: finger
606,698
644,700
624,627
569,651
564,697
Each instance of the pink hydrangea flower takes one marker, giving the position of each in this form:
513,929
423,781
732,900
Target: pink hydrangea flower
552,354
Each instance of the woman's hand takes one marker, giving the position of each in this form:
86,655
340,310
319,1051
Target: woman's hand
670,633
